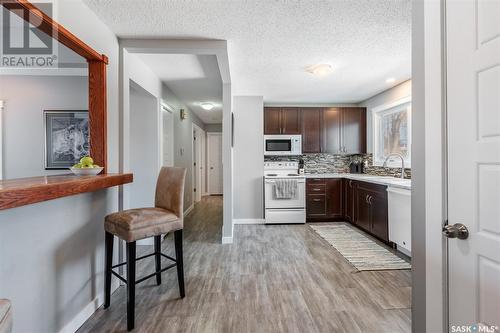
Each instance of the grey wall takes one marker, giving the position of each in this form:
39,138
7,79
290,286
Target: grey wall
391,95
213,127
143,147
23,115
183,144
248,156
51,253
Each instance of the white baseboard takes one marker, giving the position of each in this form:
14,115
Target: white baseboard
227,240
248,221
88,310
188,210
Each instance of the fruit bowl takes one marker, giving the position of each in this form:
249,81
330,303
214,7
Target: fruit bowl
86,171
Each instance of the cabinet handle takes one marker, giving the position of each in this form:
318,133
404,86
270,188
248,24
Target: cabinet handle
350,183
366,198
316,189
370,199
316,200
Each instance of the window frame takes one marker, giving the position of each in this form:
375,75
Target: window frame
377,114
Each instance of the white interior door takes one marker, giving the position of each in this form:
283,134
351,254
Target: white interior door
473,98
167,137
214,143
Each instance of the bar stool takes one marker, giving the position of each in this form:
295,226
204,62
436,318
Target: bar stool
135,224
5,316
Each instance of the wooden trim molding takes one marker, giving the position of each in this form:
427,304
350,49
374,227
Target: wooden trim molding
97,72
25,191
97,112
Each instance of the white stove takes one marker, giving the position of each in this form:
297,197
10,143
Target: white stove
284,210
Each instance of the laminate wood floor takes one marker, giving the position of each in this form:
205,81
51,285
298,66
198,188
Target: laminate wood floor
281,278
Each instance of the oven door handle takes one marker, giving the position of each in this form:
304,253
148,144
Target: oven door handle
299,181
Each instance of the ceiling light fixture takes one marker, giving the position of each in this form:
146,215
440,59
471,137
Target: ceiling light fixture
207,106
390,80
320,69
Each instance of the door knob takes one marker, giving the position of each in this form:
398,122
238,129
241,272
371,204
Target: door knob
457,230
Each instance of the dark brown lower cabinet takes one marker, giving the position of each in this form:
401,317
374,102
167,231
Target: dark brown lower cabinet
379,218
316,206
363,204
324,199
334,198
362,209
349,199
371,209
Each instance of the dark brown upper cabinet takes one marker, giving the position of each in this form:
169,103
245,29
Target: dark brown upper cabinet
353,123
290,120
272,120
344,130
331,131
281,120
311,129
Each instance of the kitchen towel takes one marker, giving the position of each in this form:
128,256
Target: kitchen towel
285,188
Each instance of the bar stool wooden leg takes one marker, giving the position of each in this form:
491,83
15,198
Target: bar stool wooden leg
108,253
178,257
130,285
158,258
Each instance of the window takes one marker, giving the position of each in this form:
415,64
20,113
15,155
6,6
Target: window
392,133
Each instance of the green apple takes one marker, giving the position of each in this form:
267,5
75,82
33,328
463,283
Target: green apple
86,161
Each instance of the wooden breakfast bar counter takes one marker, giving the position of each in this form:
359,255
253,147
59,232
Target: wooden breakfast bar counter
25,191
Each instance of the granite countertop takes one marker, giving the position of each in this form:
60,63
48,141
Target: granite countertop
382,180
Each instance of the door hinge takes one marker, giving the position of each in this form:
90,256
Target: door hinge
194,189
194,163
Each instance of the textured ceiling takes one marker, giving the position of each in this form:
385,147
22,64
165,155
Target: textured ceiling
270,42
193,79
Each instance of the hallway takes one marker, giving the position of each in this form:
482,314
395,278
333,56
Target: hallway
281,278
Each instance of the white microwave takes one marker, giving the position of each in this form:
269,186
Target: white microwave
282,145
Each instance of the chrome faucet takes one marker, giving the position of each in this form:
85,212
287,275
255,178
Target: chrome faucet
402,163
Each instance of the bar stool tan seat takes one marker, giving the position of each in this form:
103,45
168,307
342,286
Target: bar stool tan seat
5,316
135,224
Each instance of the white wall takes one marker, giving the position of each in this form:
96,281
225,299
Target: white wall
400,91
213,127
52,253
135,72
144,158
183,140
24,136
248,158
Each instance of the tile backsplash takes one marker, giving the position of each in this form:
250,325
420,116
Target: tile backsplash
329,163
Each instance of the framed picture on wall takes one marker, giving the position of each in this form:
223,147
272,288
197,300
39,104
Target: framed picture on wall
66,137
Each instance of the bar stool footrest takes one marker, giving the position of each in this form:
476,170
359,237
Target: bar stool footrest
147,276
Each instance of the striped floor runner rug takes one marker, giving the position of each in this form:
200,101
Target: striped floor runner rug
362,252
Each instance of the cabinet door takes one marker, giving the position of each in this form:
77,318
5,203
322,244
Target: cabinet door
311,130
363,209
272,120
315,205
349,200
290,121
334,198
331,130
354,130
380,226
